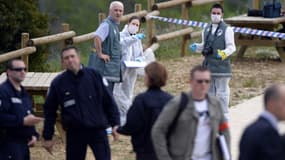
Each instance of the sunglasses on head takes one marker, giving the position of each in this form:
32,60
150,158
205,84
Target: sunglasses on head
20,69
200,81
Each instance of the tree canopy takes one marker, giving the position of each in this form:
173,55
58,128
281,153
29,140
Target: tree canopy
16,17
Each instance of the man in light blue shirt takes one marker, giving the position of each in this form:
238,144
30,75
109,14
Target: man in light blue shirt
107,57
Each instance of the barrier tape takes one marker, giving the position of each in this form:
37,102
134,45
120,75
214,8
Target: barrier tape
242,30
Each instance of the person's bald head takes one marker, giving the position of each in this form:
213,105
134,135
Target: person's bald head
274,100
116,10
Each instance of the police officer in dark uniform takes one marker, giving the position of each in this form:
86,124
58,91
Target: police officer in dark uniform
17,131
87,109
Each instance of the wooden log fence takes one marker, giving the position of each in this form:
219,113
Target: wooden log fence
147,17
17,53
83,38
195,34
69,37
168,4
171,35
28,46
154,46
51,38
142,13
202,2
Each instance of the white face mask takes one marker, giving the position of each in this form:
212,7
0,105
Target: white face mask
216,18
133,29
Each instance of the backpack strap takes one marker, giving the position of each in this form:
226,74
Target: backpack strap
182,106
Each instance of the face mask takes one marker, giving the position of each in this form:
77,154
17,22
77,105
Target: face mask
216,18
133,29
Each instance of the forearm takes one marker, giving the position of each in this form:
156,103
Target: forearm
112,112
98,45
135,123
126,41
110,107
50,119
230,42
200,46
48,130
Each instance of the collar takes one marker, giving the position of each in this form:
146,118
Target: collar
270,118
80,72
13,88
215,25
211,109
111,19
199,100
154,88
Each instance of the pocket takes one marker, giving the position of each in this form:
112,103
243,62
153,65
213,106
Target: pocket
70,113
112,68
95,62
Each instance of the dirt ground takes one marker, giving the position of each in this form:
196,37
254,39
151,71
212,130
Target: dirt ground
250,77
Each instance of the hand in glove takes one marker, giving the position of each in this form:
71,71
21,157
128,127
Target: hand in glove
193,47
140,36
221,54
139,59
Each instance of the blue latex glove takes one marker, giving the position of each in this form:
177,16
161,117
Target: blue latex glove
139,59
193,47
140,36
222,55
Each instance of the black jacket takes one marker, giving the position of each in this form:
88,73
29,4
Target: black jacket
84,102
14,106
261,141
141,117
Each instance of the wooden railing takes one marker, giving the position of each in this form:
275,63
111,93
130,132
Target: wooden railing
28,46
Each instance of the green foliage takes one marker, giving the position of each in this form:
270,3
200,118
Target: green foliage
20,16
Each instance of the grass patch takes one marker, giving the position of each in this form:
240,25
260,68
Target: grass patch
250,83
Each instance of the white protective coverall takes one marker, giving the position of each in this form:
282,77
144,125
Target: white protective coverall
132,50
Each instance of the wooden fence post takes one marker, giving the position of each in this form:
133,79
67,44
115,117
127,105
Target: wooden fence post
66,28
150,24
255,4
101,17
185,15
24,41
138,7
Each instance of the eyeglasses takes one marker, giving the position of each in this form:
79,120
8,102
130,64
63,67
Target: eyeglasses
20,69
200,81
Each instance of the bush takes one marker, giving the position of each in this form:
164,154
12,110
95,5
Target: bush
20,16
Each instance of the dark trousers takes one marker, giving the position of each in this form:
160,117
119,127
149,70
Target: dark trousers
144,156
77,141
14,151
110,87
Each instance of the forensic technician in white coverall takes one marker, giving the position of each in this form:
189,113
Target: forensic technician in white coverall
132,50
218,44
